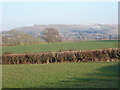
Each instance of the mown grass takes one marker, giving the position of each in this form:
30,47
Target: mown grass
61,75
85,45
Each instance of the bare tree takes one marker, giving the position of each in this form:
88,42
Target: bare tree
50,35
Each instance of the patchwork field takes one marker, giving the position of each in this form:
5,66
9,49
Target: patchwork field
85,45
61,75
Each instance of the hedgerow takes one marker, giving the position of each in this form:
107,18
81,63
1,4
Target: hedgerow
64,56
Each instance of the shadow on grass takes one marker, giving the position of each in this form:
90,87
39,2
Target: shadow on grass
105,77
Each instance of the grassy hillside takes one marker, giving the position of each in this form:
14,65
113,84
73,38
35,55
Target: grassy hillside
85,45
61,75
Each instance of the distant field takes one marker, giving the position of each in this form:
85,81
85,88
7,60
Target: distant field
85,45
61,75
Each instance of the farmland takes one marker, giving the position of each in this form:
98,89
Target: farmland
61,75
84,45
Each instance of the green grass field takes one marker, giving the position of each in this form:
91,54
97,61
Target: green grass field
61,75
85,45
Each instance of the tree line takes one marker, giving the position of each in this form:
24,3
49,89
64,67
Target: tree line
14,37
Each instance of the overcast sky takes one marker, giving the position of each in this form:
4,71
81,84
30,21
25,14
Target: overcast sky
30,13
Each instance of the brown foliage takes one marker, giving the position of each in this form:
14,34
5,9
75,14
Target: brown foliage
51,35
65,56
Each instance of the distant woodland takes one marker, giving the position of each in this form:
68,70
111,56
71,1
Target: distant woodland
13,38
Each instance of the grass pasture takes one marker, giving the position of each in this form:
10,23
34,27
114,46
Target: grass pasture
61,75
84,45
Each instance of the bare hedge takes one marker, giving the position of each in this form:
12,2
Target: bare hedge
65,56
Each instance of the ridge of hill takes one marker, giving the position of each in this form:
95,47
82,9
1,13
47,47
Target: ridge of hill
76,32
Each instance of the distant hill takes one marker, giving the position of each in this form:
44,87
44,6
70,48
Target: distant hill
68,27
76,32
70,32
